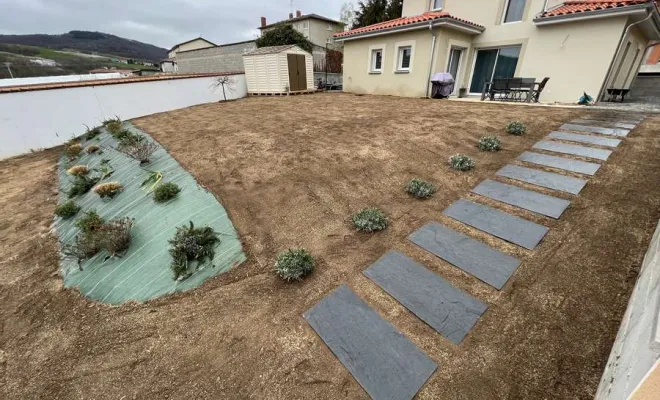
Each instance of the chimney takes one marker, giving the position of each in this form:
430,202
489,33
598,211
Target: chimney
290,15
298,13
263,21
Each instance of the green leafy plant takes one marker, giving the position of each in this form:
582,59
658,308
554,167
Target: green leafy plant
489,143
420,189
191,245
153,179
92,133
294,264
90,221
126,137
166,191
284,34
82,184
370,219
108,189
67,209
73,150
461,162
105,169
517,128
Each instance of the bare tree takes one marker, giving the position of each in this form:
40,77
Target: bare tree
224,81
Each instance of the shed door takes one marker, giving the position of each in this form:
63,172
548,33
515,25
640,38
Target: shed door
297,72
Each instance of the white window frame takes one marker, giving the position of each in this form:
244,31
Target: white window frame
396,62
506,10
372,60
432,5
329,27
399,62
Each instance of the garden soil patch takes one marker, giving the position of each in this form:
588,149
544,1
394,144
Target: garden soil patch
291,171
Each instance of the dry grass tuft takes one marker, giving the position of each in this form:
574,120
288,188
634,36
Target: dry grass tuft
78,170
109,189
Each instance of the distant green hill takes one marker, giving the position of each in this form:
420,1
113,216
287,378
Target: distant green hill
91,42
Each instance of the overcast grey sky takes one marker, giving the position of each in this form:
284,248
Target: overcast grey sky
159,22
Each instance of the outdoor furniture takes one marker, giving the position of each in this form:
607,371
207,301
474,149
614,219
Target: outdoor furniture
539,89
614,93
514,89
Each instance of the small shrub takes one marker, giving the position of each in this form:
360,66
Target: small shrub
85,246
82,184
137,148
191,244
67,209
126,136
90,221
516,128
489,143
73,150
112,125
78,170
420,189
92,133
370,220
461,162
93,149
294,265
165,192
115,236
108,189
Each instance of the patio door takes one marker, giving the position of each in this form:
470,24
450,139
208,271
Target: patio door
493,63
454,64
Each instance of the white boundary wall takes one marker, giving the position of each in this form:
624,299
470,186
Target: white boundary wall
47,118
38,80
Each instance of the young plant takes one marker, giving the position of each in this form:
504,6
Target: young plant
165,192
85,246
82,184
78,170
420,189
73,150
113,125
153,179
489,143
96,235
370,219
137,148
191,244
115,236
294,265
124,136
108,189
90,221
461,162
92,132
67,209
517,128
105,169
92,149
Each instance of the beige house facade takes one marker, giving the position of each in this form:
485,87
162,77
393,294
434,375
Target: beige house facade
582,46
316,28
194,44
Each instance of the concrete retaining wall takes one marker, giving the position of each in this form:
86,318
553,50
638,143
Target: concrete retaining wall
633,364
226,58
45,118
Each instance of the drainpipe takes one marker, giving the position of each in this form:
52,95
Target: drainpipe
428,78
618,50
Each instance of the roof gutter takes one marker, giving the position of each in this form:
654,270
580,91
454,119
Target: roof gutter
441,22
608,12
428,78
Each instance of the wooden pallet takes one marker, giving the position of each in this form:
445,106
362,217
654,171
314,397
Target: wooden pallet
284,93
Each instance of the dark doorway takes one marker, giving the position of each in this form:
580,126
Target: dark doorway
297,72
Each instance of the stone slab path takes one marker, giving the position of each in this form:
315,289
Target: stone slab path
435,301
596,129
605,124
539,203
488,265
503,225
383,361
582,151
548,180
567,164
589,139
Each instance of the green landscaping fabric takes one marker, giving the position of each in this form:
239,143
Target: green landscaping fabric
143,272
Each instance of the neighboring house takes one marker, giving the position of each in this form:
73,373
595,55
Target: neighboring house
651,61
193,44
221,58
316,28
169,65
582,46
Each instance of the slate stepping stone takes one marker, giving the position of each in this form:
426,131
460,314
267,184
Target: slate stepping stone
606,124
383,361
490,266
567,164
526,199
544,179
589,152
505,226
435,301
596,129
574,137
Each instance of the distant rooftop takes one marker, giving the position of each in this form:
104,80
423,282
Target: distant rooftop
299,17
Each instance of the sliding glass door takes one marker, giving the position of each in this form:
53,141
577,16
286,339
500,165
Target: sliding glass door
493,63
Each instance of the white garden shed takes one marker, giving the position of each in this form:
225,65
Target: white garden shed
278,70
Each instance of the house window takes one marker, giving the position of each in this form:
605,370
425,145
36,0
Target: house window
376,60
403,63
329,27
513,12
436,4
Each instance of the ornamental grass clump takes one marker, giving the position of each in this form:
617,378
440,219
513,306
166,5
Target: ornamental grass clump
461,162
92,149
190,248
82,184
294,264
67,209
517,128
489,143
165,192
108,189
370,219
113,125
420,189
78,170
73,150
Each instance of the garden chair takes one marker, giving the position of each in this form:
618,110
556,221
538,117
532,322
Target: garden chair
537,92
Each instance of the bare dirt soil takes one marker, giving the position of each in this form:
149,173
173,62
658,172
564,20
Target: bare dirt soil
291,172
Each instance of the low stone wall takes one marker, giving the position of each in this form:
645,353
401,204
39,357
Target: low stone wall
225,58
633,366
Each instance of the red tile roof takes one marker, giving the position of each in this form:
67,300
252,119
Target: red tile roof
580,6
395,23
